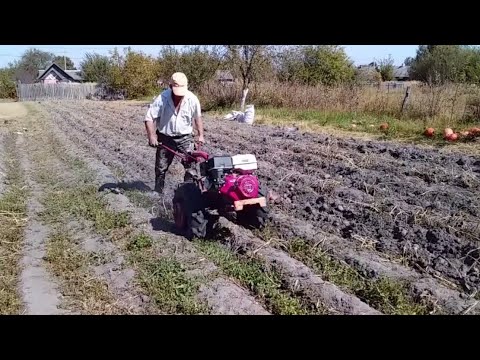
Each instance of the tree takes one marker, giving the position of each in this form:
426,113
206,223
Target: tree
115,78
95,68
248,62
408,61
438,64
198,63
7,83
316,64
290,63
472,68
30,63
386,68
140,74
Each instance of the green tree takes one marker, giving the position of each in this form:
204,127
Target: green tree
408,61
248,62
33,60
7,83
140,73
198,63
290,64
95,68
439,64
386,68
316,64
472,67
115,75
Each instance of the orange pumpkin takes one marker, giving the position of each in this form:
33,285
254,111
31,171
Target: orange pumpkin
429,132
452,137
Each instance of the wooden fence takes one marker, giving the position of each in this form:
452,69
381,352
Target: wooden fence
61,91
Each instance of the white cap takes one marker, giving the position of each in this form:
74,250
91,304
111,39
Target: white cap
179,84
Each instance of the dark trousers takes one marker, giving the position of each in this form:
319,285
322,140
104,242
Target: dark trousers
164,157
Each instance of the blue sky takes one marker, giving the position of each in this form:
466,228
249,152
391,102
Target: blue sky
360,54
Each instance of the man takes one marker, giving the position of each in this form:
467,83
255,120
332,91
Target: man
170,120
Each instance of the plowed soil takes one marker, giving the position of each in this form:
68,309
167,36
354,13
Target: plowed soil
387,209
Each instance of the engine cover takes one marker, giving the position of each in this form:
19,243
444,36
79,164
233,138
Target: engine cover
247,162
240,187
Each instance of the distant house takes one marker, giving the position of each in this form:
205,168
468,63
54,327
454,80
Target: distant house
368,74
55,74
224,76
371,66
402,73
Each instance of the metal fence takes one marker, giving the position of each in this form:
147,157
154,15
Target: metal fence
60,91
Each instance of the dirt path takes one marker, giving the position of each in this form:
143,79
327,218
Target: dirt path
39,291
9,110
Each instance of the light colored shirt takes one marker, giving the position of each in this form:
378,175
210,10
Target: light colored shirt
168,121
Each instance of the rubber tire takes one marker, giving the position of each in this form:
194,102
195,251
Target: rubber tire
190,199
254,216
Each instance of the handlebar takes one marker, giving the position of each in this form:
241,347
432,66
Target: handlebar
182,155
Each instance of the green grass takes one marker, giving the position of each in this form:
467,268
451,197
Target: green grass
83,202
13,208
353,122
388,296
164,279
140,242
252,273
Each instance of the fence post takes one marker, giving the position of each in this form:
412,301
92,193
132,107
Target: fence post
405,99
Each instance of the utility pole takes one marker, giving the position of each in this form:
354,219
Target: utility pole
64,60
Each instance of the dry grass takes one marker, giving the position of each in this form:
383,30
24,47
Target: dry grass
450,102
359,109
12,223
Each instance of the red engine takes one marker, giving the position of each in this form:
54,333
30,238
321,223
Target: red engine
240,186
